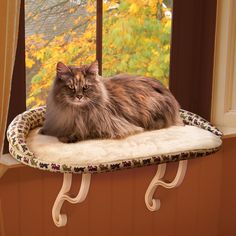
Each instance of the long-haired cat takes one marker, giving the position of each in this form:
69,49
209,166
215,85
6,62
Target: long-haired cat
83,105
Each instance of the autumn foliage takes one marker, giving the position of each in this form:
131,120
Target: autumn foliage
136,39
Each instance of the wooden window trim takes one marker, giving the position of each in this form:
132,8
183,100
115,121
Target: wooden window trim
99,22
192,57
192,54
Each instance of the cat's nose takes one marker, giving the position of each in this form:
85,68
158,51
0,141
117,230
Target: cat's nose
79,96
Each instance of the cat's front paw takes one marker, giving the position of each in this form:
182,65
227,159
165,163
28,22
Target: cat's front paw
137,130
69,139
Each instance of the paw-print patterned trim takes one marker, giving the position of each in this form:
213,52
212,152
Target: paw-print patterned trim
190,118
23,123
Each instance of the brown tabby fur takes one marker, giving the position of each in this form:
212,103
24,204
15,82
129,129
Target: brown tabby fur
82,105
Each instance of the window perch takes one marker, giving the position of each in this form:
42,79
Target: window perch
197,138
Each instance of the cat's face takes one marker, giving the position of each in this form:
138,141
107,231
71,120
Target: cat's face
77,86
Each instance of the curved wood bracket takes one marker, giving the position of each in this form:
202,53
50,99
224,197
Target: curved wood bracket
154,204
61,219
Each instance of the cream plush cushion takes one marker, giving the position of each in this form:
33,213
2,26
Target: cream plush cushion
147,144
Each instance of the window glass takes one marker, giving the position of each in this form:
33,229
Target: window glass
56,30
136,37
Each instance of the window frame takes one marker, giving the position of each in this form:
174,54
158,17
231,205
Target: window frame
190,76
224,83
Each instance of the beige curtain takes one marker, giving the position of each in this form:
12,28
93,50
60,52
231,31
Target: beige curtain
9,21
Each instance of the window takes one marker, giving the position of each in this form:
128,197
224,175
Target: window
135,36
191,60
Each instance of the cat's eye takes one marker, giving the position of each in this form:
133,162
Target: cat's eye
70,86
86,87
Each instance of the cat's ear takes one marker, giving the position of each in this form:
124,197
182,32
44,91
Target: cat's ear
93,68
62,69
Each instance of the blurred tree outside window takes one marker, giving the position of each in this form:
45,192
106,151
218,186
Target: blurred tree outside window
136,39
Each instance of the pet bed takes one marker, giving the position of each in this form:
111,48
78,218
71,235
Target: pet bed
197,138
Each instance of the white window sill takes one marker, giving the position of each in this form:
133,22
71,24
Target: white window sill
8,162
228,132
